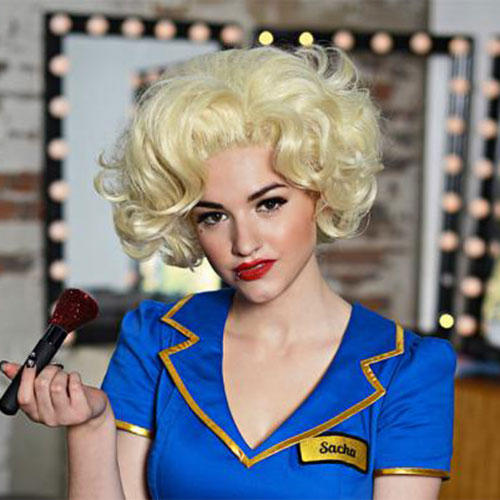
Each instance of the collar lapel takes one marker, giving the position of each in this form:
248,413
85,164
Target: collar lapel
350,385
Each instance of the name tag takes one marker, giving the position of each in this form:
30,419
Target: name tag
335,448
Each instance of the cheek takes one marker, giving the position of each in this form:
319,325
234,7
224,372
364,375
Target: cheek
297,231
211,242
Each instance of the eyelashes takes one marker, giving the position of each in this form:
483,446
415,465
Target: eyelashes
271,204
209,218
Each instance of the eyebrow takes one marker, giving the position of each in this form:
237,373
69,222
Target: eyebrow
252,197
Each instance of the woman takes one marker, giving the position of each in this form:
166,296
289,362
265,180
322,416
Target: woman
274,387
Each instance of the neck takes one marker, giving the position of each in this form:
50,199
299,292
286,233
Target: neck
307,310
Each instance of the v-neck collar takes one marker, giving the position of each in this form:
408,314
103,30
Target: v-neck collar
348,386
322,381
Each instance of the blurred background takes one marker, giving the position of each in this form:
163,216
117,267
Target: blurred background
70,72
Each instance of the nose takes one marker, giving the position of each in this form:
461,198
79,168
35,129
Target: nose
245,237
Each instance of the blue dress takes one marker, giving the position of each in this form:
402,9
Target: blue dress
384,406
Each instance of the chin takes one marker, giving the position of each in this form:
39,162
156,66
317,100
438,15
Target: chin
257,292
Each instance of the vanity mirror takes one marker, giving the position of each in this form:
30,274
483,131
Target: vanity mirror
92,66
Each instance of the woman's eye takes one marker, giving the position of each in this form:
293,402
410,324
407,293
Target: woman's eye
213,218
272,204
209,218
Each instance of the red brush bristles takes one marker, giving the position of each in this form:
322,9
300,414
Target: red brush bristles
73,309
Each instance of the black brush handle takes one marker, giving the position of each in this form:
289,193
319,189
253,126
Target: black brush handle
39,357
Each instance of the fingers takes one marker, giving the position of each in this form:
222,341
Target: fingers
26,394
9,369
68,399
55,397
33,394
50,390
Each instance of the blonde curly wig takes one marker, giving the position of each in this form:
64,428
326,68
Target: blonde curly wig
307,104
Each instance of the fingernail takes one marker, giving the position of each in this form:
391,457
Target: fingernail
2,363
58,364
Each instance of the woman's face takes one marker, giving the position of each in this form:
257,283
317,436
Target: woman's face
250,213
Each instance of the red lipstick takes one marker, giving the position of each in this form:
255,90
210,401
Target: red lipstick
253,270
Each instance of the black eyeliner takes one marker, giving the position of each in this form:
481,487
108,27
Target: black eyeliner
205,215
279,199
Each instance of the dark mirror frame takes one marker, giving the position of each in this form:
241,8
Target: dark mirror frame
113,305
458,106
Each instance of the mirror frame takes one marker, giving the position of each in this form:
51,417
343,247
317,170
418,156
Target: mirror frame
459,49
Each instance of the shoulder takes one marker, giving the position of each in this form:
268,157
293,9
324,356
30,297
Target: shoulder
428,349
200,308
148,311
152,317
428,353
416,373
200,300
142,329
426,365
419,390
404,350
145,314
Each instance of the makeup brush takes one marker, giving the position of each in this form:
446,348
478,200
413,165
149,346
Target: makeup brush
73,309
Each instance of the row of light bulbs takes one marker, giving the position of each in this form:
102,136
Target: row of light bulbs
382,42
133,27
478,208
475,247
465,324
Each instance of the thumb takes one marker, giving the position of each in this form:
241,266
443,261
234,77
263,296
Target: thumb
97,399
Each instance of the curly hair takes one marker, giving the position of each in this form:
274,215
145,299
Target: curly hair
307,104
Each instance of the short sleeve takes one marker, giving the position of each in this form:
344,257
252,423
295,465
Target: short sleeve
133,372
415,426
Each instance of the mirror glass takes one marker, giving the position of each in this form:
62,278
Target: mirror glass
99,87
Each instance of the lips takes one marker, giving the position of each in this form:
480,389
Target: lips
248,265
253,270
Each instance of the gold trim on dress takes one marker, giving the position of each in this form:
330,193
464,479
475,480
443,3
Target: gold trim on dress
413,471
134,429
248,462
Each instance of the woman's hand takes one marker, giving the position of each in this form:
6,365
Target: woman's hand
56,398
